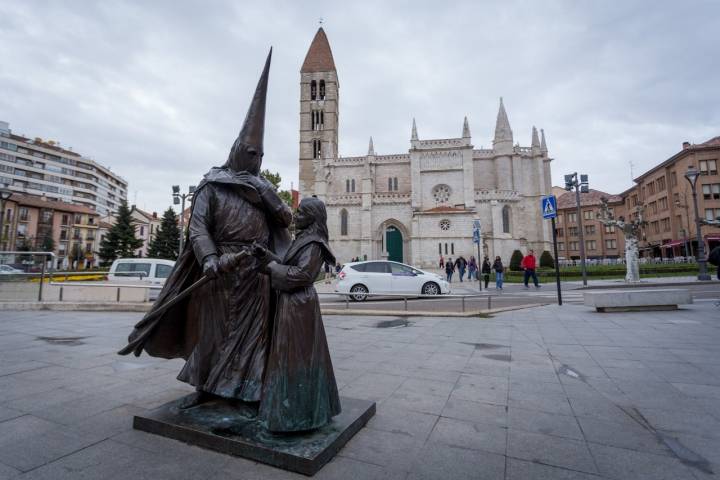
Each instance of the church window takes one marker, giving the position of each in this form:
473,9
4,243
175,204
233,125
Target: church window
395,184
452,248
322,89
439,248
347,185
343,222
445,224
446,251
441,193
352,185
318,119
506,219
313,90
322,120
389,184
317,149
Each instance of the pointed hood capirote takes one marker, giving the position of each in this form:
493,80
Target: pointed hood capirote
253,129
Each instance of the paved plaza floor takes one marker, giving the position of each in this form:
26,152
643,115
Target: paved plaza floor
543,393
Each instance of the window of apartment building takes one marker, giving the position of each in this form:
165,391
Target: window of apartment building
673,179
651,188
574,245
21,229
663,203
559,232
63,234
23,214
64,219
660,184
561,246
142,230
558,220
655,226
609,228
712,213
590,244
589,229
665,222
78,219
610,243
588,215
76,233
708,167
653,207
634,199
711,191
572,217
573,231
47,216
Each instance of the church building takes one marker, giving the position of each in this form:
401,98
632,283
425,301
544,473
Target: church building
413,207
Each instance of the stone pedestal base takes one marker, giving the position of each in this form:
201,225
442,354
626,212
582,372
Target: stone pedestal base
233,428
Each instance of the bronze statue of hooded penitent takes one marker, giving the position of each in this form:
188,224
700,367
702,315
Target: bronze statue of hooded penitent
223,328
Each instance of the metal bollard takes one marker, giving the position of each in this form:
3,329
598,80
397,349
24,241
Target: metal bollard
405,299
463,303
61,295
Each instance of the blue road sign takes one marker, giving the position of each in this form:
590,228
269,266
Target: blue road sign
476,236
549,206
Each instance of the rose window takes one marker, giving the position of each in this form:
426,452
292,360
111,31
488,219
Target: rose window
445,224
441,193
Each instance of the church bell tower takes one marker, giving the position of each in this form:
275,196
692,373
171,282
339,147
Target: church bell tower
319,95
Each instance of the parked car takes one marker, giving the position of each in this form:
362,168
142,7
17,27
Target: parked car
8,270
381,276
141,270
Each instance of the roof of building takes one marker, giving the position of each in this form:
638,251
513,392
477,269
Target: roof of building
148,215
43,144
319,57
593,197
41,202
709,144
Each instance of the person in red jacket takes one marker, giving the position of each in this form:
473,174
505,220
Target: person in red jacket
528,265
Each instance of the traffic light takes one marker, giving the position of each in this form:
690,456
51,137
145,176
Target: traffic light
569,181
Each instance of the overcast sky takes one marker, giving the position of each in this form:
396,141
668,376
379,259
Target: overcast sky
157,90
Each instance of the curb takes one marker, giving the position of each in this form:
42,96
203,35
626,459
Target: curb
424,313
650,285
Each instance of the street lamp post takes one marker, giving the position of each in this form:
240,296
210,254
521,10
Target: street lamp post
179,199
580,183
5,194
692,176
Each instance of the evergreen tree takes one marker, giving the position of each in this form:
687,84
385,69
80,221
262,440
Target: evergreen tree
120,241
515,260
546,260
275,179
166,243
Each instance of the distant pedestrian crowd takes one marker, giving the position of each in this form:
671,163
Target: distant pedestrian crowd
461,266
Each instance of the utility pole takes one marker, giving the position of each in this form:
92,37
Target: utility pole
179,199
580,184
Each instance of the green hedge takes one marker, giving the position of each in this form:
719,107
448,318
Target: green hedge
612,271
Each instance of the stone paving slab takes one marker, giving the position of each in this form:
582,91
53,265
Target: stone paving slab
545,393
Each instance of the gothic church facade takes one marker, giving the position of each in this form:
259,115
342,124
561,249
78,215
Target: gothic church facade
413,207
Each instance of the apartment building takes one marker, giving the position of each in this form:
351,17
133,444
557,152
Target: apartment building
36,223
146,226
42,167
600,241
667,197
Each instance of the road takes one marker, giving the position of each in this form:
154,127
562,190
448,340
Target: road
512,295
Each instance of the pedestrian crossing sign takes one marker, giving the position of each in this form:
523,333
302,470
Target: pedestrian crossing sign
548,205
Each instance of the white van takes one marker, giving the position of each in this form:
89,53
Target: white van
146,270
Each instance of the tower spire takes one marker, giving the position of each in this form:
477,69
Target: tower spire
535,139
543,145
414,131
371,149
503,132
466,129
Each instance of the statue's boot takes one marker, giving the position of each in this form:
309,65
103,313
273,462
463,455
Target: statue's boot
197,398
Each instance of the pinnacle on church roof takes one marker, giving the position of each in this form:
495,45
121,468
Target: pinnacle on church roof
503,132
535,139
371,149
319,57
543,145
466,129
414,131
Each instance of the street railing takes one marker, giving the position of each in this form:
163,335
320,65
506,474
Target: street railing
43,264
405,296
118,286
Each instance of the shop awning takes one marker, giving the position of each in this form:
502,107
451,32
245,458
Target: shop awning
674,243
713,237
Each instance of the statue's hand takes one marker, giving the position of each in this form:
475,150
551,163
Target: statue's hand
259,251
257,182
211,266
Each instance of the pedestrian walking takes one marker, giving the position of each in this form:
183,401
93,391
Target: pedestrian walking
442,262
328,272
472,268
449,269
338,268
499,273
528,265
486,271
461,265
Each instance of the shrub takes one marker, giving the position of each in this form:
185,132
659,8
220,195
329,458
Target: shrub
515,260
546,260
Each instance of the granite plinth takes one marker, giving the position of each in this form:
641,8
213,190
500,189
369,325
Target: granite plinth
233,428
637,300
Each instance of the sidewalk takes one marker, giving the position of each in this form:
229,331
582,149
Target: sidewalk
547,393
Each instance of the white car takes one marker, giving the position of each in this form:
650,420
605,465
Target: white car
380,276
8,270
145,270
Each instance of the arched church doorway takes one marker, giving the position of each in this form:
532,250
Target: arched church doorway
394,244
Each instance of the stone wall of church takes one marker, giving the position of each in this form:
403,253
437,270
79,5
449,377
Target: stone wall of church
401,171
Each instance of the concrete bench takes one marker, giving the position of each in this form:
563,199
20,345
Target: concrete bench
634,299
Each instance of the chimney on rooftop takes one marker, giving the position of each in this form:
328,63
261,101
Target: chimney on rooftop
154,214
686,145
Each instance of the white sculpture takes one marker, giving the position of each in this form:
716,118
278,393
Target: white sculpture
631,230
